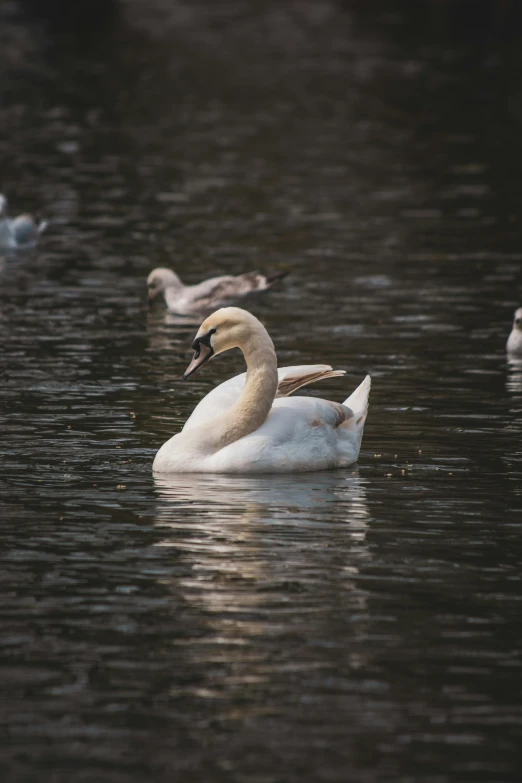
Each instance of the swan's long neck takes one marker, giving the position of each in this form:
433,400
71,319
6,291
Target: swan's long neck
255,401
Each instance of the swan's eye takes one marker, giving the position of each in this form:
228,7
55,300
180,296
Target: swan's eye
212,331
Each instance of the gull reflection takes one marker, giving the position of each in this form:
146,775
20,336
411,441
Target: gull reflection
161,336
160,319
194,319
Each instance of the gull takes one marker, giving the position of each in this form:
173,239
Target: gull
207,295
21,231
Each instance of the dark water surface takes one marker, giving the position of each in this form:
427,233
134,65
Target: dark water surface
356,626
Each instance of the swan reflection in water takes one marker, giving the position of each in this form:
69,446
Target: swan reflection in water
269,555
326,497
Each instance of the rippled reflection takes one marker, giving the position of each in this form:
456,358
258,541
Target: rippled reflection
353,626
313,495
257,542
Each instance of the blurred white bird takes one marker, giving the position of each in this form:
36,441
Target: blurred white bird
21,231
208,295
514,343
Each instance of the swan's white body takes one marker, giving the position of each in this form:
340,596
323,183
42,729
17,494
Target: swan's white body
248,425
514,343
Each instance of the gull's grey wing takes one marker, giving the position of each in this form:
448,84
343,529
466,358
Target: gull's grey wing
227,288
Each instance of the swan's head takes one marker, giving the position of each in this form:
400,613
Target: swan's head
160,279
517,321
229,327
3,206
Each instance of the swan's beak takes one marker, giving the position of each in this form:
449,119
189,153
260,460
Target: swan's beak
201,355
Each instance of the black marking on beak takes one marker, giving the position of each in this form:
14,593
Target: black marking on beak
204,340
203,351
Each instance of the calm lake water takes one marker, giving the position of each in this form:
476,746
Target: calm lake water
356,626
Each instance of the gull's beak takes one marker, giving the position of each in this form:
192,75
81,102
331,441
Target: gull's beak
202,353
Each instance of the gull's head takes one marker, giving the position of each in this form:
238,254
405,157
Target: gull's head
160,279
229,327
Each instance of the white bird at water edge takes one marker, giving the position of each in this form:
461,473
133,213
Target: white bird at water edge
18,232
514,343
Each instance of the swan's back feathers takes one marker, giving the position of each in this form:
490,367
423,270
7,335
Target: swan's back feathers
347,417
340,414
227,393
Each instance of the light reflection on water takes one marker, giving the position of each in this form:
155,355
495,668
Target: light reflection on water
358,625
261,534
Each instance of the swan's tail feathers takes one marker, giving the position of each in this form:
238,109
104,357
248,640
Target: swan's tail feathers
358,400
293,381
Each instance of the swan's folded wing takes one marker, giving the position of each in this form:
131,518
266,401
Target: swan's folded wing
225,395
299,434
293,378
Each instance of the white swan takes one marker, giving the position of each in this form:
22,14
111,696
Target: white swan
514,343
248,424
204,297
21,231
